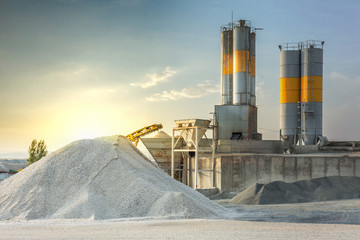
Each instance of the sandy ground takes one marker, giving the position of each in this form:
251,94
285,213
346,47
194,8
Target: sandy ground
174,229
282,221
317,220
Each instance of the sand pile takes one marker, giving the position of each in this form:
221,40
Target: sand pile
319,189
162,134
94,179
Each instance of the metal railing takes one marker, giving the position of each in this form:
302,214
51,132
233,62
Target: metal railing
312,44
230,26
301,45
290,46
226,27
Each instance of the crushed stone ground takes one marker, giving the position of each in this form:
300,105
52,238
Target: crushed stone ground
313,190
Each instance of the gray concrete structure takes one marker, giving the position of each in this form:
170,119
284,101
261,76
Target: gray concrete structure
236,121
235,172
249,146
238,171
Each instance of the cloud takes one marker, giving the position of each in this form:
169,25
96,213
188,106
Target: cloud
342,79
260,89
156,78
337,75
200,90
342,89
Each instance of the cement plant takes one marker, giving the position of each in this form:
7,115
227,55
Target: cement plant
234,156
218,169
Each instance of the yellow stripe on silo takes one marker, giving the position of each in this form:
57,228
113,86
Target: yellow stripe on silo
290,84
252,66
311,89
289,96
289,90
240,60
227,64
311,95
311,82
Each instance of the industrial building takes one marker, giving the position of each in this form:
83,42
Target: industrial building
235,156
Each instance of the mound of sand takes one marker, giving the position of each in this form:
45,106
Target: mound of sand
94,179
319,189
162,134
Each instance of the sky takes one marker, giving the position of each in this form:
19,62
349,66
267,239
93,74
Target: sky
74,69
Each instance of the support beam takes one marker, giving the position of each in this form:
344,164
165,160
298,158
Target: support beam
172,154
196,158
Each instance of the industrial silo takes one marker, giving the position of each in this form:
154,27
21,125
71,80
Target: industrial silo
226,65
290,92
311,91
252,69
241,75
236,117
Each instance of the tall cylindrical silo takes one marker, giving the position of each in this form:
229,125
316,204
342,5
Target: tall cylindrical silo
226,66
289,93
311,91
252,69
241,46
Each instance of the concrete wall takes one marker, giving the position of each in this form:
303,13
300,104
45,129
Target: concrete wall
252,146
205,173
236,172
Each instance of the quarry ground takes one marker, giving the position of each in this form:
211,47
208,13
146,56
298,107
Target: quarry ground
174,229
327,212
319,220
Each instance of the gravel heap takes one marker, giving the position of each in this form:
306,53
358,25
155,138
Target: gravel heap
318,189
94,179
162,134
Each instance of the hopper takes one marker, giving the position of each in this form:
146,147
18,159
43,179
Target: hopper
189,126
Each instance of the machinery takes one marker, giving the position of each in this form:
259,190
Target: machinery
135,136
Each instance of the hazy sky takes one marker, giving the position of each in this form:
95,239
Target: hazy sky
72,69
